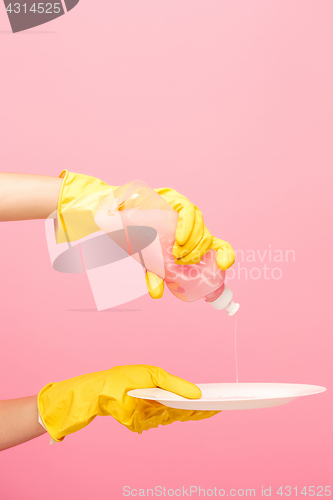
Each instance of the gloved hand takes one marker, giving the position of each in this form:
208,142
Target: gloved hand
193,240
68,406
81,195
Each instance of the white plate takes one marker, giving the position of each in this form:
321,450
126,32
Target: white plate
233,396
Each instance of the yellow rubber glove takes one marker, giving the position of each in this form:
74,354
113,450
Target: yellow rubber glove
225,253
81,195
68,406
193,239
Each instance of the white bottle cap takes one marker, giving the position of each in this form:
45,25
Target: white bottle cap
224,301
232,308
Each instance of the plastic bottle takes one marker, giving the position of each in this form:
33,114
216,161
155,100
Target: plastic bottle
133,216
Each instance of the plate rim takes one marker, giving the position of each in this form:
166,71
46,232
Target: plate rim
322,389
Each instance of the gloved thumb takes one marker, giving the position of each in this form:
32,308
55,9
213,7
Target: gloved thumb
225,253
155,285
186,222
174,384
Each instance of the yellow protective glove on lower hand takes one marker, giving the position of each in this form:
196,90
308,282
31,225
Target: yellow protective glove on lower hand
68,406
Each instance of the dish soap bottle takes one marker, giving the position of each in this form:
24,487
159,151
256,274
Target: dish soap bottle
139,220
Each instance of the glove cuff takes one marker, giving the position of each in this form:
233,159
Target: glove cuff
79,198
42,411
68,406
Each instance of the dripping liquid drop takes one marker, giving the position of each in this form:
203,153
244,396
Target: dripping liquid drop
236,364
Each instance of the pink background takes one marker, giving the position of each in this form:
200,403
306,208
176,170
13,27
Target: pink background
231,104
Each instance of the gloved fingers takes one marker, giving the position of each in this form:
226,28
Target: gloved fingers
187,215
180,251
186,222
199,251
175,199
151,414
155,285
194,415
171,383
148,415
225,253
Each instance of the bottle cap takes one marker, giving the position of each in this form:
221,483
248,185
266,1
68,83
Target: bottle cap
232,308
224,301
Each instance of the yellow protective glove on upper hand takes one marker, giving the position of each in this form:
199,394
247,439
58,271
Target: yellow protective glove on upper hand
81,195
193,240
225,253
68,406
79,198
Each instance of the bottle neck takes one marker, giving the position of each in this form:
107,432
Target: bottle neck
216,294
224,301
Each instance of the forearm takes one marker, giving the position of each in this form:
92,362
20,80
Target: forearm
24,196
19,421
